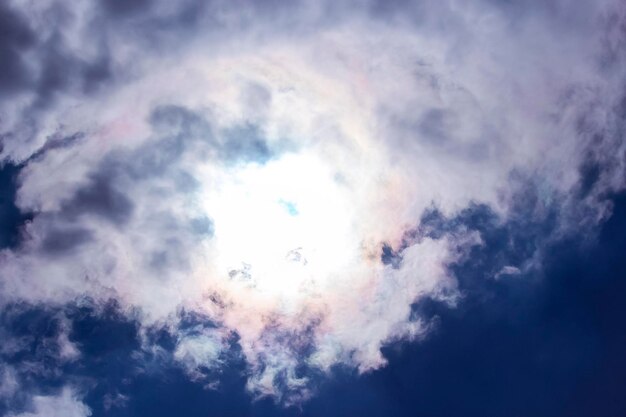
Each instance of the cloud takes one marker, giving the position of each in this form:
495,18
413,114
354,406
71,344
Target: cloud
8,384
66,404
199,348
290,176
17,36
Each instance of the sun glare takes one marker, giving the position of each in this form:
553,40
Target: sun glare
273,222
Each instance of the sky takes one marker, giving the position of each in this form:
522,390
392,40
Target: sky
312,208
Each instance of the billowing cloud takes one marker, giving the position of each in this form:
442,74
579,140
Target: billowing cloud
271,168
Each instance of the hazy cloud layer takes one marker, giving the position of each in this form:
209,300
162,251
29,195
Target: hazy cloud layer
295,176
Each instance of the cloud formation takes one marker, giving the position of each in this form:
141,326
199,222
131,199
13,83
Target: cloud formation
66,404
272,168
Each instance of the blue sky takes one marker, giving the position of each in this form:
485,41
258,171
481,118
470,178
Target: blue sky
407,208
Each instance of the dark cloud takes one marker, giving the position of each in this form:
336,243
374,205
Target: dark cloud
447,131
178,124
125,7
45,65
63,241
434,124
55,142
389,256
99,198
63,70
176,129
244,144
97,73
58,69
202,226
614,40
16,37
143,23
170,255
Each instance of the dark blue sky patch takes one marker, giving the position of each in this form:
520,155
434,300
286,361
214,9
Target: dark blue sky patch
11,219
30,346
31,325
166,390
591,170
103,330
107,341
172,393
162,338
110,348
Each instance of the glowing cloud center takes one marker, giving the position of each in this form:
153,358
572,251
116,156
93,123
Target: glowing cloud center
273,223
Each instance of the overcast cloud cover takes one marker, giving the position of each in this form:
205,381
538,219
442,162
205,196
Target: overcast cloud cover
281,183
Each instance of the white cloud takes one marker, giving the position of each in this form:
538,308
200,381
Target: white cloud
255,181
67,350
67,404
8,382
203,349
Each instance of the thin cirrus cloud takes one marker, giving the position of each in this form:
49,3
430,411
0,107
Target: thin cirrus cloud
267,167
